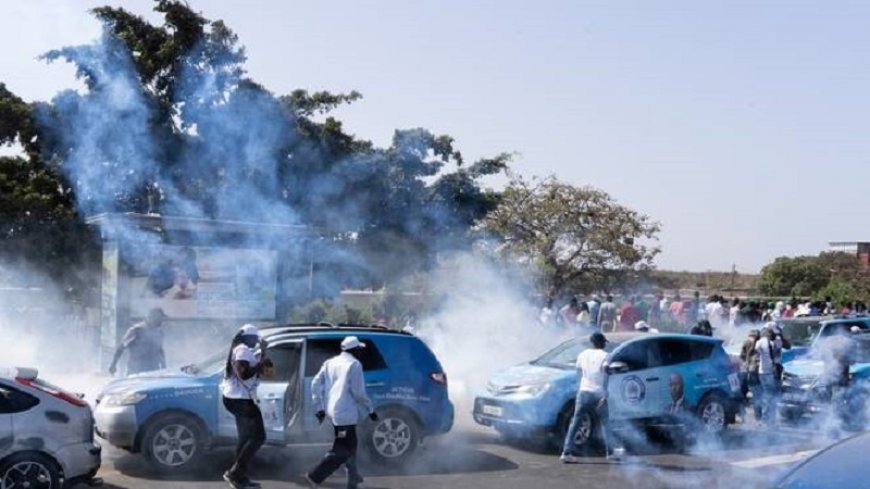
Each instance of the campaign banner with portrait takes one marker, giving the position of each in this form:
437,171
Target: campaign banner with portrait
200,283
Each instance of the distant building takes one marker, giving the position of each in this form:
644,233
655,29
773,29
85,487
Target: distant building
861,249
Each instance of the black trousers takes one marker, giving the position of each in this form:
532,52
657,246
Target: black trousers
343,452
252,433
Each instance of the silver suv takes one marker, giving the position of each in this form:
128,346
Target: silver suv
46,433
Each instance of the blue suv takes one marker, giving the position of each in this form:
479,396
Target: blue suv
174,417
643,390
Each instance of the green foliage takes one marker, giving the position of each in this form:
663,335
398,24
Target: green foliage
579,237
838,275
839,291
800,276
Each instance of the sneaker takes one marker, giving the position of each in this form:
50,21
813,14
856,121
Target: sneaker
311,483
568,459
233,482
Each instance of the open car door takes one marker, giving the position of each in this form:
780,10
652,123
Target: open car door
280,393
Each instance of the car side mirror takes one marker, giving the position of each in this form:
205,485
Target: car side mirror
617,368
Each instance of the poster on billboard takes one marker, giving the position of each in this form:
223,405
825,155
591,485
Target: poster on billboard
205,283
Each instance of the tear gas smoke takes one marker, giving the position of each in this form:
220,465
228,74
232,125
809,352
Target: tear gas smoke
484,324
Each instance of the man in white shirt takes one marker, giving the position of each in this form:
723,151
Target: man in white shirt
768,350
338,390
245,364
591,395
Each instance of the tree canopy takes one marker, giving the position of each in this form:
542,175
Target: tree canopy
579,237
832,274
171,123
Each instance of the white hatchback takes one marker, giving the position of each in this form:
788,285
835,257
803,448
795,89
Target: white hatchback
46,434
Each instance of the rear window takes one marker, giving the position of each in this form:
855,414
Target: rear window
321,350
14,401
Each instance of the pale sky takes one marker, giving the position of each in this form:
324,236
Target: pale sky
741,126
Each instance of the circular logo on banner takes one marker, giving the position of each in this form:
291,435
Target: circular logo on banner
633,389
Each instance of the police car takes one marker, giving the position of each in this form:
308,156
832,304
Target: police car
46,433
174,417
652,377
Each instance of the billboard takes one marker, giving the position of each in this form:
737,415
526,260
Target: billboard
204,283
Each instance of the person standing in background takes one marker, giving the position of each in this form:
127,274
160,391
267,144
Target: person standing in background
594,307
568,313
749,381
766,349
143,343
584,319
629,315
607,315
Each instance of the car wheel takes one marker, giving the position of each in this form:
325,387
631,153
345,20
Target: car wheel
393,437
173,443
713,413
30,470
585,432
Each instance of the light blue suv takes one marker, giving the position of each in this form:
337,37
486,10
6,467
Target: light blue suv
174,417
538,397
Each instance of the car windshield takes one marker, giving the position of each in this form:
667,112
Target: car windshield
565,355
800,333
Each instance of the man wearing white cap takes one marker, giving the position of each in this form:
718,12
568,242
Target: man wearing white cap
245,364
338,390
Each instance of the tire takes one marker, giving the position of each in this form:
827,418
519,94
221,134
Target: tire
712,413
586,435
173,443
32,470
393,438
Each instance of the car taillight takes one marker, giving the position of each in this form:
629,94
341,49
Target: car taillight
439,377
59,394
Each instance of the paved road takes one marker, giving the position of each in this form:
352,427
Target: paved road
472,457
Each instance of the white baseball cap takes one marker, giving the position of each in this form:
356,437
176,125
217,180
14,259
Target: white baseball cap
640,325
350,343
249,330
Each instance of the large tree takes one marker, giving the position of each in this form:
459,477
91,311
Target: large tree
817,276
580,238
170,122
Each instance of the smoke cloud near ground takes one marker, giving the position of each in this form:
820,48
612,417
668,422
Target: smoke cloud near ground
485,322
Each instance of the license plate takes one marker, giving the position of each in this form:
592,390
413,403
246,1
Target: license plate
491,410
734,382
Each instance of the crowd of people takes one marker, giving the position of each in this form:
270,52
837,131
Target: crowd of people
674,313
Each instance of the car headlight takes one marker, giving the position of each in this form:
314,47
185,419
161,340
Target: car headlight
534,389
124,399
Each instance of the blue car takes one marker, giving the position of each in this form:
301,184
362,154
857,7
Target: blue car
805,395
175,417
538,397
840,465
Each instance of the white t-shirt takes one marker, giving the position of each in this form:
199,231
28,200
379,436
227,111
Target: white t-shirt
235,388
590,363
764,347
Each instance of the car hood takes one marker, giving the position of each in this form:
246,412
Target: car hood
528,374
814,368
158,379
804,368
